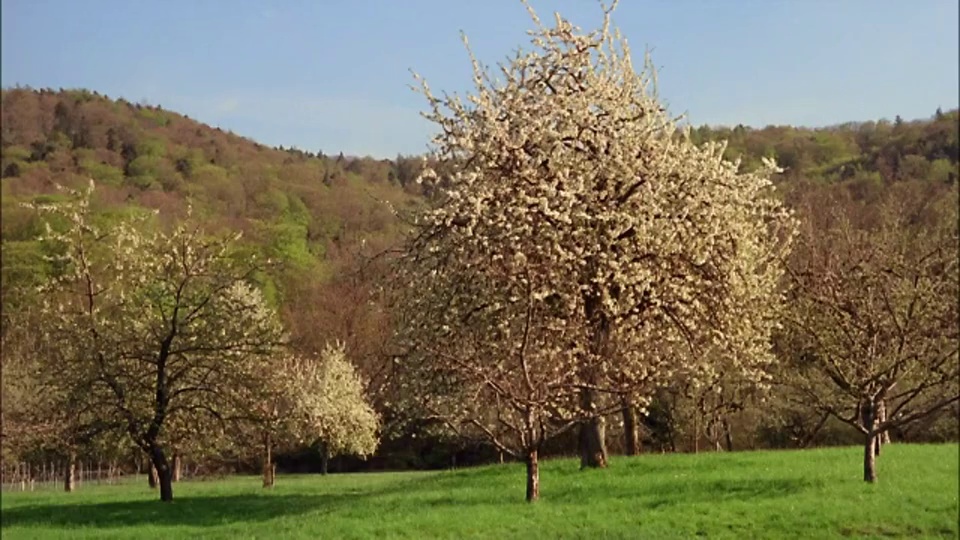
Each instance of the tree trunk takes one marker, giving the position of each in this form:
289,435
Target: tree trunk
153,479
533,476
728,434
631,439
324,458
883,437
268,467
870,459
593,448
70,473
696,433
177,467
164,474
870,444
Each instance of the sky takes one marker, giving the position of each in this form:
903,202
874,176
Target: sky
334,75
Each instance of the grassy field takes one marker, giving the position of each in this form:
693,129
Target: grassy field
807,494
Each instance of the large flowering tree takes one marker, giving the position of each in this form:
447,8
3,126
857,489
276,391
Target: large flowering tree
581,248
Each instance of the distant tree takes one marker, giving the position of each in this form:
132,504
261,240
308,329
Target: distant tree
579,249
872,323
316,399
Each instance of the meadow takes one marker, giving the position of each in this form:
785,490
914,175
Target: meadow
816,493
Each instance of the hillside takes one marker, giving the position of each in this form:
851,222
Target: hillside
310,212
788,494
146,156
311,204
865,152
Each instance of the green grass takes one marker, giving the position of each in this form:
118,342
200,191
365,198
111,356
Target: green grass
806,494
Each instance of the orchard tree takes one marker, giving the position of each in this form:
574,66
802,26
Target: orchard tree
333,404
321,399
481,358
873,312
38,416
579,245
151,328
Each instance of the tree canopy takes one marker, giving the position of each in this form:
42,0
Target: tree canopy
580,246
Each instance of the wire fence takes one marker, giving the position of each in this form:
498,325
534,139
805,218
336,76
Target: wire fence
53,475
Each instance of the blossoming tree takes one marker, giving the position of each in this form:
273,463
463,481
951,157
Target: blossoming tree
151,329
319,399
581,248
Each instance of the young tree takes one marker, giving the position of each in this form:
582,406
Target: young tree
322,399
873,313
481,358
149,328
578,234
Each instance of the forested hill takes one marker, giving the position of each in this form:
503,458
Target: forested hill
148,156
864,152
313,211
305,209
316,215
145,155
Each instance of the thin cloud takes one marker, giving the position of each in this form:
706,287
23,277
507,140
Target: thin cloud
228,105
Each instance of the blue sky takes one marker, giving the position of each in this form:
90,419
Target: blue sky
334,74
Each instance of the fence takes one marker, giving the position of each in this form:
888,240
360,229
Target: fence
48,476
26,476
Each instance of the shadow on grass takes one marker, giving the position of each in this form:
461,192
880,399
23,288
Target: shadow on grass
494,485
196,510
192,511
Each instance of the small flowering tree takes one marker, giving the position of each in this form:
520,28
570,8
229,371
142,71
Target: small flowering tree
151,329
321,399
580,248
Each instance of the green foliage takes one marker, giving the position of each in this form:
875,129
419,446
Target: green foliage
272,202
287,243
788,494
102,172
188,160
152,146
23,267
156,117
16,152
144,170
943,171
